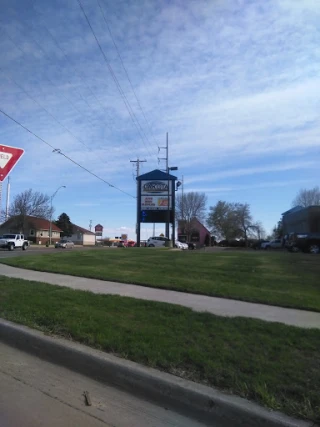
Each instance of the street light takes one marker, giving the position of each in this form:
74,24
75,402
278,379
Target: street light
51,198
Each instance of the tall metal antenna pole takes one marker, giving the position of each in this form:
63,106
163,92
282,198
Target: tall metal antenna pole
167,167
138,161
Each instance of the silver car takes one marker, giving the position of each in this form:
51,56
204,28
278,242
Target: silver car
64,244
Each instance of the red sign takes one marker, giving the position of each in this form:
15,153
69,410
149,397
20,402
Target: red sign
9,157
98,228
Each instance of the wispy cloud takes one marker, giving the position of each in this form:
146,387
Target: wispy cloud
234,82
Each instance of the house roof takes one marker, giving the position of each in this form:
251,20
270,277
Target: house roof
33,222
293,210
155,175
76,229
193,222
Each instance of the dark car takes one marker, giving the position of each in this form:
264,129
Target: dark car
191,246
305,242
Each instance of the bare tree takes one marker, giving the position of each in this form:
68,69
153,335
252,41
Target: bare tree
189,206
258,231
29,203
307,197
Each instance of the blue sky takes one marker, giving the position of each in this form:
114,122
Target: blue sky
236,83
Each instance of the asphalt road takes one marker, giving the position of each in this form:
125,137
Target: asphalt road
36,393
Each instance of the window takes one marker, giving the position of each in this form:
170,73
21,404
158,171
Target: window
32,232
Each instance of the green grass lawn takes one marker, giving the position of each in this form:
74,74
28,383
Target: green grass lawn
284,279
273,364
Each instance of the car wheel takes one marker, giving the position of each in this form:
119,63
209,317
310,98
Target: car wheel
151,245
11,247
24,247
314,249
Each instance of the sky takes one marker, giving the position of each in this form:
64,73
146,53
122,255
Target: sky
235,83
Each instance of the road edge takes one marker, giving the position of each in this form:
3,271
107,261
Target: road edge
195,400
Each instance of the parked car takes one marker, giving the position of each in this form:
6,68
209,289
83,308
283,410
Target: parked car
156,241
64,244
305,242
180,245
130,243
274,244
191,246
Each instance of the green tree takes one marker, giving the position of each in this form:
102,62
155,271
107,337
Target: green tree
230,220
64,223
243,218
277,231
222,220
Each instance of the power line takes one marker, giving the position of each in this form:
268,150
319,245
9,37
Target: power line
58,151
48,112
125,100
51,81
123,66
110,119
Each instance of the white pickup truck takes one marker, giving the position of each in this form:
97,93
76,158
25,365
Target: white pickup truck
13,241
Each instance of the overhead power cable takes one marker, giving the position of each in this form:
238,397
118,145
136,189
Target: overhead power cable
125,100
125,70
57,150
75,70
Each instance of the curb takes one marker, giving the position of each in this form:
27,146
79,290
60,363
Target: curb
194,400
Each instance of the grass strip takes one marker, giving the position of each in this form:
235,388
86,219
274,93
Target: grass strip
273,364
283,279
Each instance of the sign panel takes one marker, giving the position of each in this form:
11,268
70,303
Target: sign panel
98,228
154,202
124,237
98,233
159,216
153,187
9,157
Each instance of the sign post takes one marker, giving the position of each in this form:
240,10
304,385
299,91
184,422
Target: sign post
9,157
156,199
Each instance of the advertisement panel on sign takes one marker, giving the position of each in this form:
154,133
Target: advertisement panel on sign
155,187
124,237
154,203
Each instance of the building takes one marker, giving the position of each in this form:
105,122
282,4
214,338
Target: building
194,232
81,236
301,220
34,229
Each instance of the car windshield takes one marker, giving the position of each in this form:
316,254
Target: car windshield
9,236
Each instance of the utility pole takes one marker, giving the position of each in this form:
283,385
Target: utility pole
90,224
167,233
138,161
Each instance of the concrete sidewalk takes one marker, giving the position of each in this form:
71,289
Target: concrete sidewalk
213,305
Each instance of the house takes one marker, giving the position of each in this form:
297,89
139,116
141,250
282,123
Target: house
194,232
34,229
301,220
81,236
